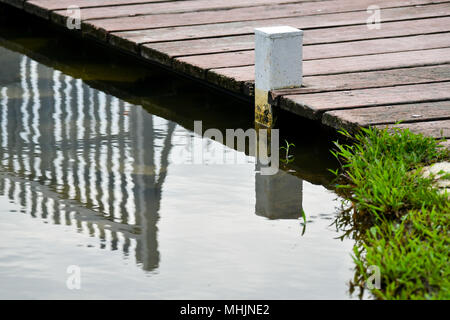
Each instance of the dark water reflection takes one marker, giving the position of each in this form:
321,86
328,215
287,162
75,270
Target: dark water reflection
107,153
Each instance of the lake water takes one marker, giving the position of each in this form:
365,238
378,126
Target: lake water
96,172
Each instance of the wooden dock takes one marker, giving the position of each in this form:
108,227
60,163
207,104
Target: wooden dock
354,74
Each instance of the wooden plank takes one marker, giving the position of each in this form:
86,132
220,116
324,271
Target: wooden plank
314,104
130,39
163,52
232,79
364,117
173,7
389,29
198,63
43,8
63,4
435,129
365,80
240,75
99,28
382,61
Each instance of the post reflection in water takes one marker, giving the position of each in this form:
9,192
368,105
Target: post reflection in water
278,196
73,155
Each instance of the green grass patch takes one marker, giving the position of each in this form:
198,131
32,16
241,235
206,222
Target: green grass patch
399,219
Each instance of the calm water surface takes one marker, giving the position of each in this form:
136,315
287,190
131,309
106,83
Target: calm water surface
95,172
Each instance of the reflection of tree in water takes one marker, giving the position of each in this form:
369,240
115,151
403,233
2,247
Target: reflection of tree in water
72,155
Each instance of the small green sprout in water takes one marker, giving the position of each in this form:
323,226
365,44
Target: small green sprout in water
288,158
304,221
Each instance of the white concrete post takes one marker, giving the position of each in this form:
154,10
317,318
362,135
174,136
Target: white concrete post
278,65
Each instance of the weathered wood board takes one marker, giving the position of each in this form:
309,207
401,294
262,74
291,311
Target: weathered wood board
437,129
129,39
351,119
364,49
152,21
392,30
312,105
365,80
